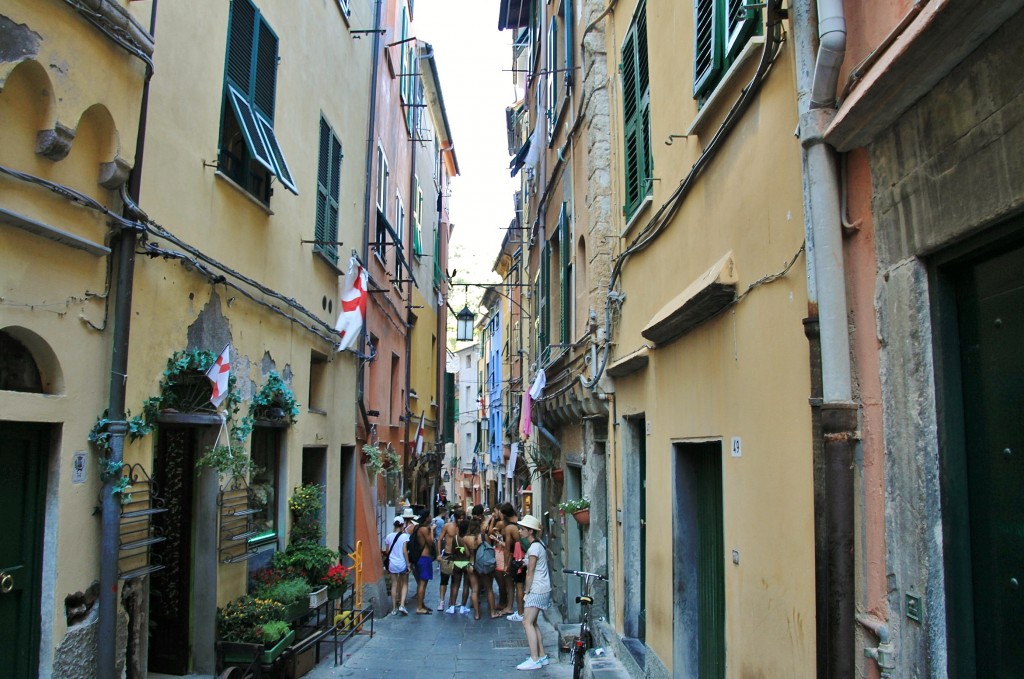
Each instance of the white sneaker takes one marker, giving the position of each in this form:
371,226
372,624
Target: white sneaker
464,610
530,664
440,606
544,660
450,610
514,617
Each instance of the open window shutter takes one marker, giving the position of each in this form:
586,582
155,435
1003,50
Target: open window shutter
545,301
740,24
631,120
265,87
568,29
707,58
552,69
563,274
334,198
644,165
322,192
241,32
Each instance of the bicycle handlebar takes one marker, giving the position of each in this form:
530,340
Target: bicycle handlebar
584,574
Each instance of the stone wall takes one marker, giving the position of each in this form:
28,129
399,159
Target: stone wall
948,169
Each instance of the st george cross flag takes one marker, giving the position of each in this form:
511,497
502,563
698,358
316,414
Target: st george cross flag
419,436
353,305
218,375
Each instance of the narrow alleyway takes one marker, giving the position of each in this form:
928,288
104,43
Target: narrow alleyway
440,646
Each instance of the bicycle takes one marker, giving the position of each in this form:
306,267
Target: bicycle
585,639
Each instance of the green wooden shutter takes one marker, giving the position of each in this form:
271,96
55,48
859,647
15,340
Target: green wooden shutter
740,23
265,85
322,191
635,70
552,69
328,190
568,29
545,303
707,59
241,33
630,119
563,277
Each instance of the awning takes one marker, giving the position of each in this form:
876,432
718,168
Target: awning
710,293
517,163
513,14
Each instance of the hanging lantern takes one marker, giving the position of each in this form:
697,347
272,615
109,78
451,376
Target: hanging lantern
464,329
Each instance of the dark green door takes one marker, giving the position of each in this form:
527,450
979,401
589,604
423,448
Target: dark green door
641,631
170,589
23,453
990,306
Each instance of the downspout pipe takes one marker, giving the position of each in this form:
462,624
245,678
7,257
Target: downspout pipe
834,511
106,637
371,133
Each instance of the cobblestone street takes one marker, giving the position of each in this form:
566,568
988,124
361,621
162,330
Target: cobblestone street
440,646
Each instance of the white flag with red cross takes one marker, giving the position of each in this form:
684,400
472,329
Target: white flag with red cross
218,374
353,305
419,436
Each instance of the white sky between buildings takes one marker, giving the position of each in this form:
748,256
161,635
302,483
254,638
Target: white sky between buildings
472,61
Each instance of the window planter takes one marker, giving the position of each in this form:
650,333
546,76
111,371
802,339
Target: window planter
335,592
582,516
296,610
238,652
318,597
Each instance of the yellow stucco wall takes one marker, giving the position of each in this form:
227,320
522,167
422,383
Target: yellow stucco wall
187,196
742,374
52,297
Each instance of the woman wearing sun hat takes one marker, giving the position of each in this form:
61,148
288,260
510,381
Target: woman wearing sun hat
538,592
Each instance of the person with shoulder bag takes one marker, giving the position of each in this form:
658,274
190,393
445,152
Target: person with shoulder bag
395,564
446,545
484,563
538,592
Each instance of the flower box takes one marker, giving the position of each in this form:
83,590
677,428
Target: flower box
296,610
318,597
272,653
336,592
235,652
582,516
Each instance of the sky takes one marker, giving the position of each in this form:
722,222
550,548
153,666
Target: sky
472,60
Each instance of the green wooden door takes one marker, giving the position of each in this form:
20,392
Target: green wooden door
641,628
23,459
990,306
710,555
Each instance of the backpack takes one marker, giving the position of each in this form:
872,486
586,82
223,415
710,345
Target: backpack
485,559
415,548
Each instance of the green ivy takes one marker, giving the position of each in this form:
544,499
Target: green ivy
275,393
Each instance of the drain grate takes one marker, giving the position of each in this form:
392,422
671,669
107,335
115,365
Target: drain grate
510,643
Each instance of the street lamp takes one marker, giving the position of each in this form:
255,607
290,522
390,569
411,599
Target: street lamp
464,328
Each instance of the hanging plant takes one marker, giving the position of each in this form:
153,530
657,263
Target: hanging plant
379,459
275,394
228,459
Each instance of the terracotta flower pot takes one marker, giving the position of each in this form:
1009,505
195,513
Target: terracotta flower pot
558,474
582,516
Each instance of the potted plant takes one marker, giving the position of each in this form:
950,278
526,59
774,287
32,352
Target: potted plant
579,508
378,459
336,581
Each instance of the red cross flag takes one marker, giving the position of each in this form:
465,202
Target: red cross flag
419,436
353,305
218,375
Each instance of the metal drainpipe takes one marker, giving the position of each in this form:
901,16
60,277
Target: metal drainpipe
408,298
367,197
106,637
834,451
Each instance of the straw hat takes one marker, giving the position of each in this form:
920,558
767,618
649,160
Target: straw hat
408,513
531,522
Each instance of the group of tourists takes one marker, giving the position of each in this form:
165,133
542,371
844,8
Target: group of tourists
475,553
